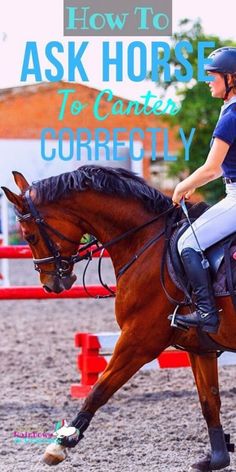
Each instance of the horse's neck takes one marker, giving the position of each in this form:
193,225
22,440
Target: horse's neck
107,217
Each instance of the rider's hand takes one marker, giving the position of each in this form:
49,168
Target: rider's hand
179,194
189,193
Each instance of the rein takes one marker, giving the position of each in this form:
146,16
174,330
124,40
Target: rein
89,254
63,263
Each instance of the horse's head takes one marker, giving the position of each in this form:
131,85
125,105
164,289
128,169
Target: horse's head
51,234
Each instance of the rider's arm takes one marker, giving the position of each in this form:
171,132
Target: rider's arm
209,171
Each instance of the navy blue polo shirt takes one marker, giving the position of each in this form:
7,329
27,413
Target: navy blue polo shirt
226,131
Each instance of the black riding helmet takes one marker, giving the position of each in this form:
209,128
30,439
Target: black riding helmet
224,62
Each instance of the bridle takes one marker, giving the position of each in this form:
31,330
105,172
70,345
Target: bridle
62,263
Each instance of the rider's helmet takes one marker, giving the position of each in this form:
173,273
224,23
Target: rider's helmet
224,62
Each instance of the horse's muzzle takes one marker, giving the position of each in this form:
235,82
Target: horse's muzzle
59,284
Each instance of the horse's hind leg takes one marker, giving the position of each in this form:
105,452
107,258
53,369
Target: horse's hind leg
205,371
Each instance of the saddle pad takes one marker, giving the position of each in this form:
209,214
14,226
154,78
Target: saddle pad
219,280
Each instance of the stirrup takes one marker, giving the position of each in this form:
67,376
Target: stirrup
177,324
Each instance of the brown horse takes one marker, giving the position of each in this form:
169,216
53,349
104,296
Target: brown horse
110,204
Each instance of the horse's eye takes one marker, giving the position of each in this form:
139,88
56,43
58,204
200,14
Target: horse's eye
31,239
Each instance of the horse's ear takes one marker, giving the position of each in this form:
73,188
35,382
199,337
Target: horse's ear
12,197
20,181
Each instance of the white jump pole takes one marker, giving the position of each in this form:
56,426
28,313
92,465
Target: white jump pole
5,239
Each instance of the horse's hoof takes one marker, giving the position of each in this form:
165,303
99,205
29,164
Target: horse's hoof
54,454
202,466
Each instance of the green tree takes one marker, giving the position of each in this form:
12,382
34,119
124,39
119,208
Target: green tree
199,110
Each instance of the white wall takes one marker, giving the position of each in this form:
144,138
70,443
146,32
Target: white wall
24,156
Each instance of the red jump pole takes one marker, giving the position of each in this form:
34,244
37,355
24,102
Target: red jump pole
24,252
30,293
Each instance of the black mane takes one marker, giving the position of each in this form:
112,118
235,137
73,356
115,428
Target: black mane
109,180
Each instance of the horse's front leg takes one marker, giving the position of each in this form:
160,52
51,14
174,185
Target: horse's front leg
205,371
129,356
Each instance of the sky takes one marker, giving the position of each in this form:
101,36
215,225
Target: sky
42,21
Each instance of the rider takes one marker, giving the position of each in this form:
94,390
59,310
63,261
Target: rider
219,220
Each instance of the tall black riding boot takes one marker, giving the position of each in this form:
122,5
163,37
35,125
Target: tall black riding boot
206,315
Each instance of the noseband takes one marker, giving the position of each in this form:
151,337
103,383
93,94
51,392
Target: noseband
62,263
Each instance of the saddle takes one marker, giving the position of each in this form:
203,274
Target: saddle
221,257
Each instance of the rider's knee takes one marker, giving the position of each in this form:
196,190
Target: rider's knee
186,241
